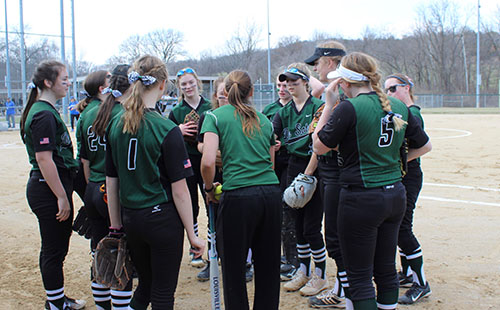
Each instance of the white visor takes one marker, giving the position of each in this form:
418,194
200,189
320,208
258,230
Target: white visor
346,73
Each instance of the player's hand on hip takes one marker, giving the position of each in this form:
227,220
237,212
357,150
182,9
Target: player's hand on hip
64,209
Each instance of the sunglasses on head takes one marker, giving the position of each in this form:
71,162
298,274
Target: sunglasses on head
392,88
187,70
298,72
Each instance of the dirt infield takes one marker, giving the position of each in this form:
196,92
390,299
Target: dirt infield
457,222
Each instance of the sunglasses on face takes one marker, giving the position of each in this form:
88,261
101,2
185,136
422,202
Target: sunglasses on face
187,70
392,88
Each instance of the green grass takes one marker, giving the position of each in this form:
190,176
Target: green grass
461,111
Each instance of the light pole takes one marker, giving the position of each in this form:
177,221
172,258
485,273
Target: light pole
74,48
7,77
23,53
268,47
63,58
478,69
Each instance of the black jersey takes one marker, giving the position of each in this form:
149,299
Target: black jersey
368,145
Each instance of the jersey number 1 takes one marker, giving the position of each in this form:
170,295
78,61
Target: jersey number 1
386,134
132,153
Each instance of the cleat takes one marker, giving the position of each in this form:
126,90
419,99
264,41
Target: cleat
297,282
204,275
405,281
327,299
197,262
314,286
287,271
415,293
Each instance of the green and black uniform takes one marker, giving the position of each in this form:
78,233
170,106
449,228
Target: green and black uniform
146,164
93,149
46,131
249,211
80,184
292,127
177,115
410,250
372,200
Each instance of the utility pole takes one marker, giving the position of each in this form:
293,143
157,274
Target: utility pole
478,69
7,77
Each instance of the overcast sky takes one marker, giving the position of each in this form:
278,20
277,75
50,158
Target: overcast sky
101,25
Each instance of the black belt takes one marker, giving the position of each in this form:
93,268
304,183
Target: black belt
359,188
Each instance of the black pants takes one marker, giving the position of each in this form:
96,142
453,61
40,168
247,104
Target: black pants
308,219
97,212
73,117
55,235
288,235
412,181
250,218
368,227
329,173
155,238
79,183
194,182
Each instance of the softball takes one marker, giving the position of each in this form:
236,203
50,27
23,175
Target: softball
218,191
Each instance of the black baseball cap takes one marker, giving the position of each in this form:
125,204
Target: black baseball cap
293,74
324,51
121,69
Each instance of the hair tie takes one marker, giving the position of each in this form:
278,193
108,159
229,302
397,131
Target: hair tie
31,85
85,93
390,115
145,79
115,93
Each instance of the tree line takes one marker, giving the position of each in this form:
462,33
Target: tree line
439,54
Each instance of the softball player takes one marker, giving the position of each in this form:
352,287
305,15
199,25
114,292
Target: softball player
50,186
147,164
289,239
191,100
401,87
291,124
249,211
325,59
369,129
93,155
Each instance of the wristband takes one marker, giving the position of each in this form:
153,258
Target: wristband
208,190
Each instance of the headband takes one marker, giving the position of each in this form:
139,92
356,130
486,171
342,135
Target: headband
145,79
343,72
401,80
114,92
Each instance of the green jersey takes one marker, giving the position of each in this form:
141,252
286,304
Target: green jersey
46,131
178,114
79,130
148,162
245,161
292,126
93,147
368,142
271,109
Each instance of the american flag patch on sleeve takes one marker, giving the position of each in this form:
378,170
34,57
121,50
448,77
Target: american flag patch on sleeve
187,163
45,140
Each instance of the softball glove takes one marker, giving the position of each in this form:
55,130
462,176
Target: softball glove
112,265
298,194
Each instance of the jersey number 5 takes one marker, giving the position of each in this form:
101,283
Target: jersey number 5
386,133
132,153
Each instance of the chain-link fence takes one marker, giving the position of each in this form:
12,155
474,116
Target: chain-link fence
458,101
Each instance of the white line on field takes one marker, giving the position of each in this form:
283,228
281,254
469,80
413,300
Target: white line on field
461,201
464,187
464,133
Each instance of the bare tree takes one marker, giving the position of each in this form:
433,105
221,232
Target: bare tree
243,44
132,48
166,44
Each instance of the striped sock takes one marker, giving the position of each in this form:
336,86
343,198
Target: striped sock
319,258
120,299
195,227
404,263
55,298
342,280
304,255
388,300
416,262
102,297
